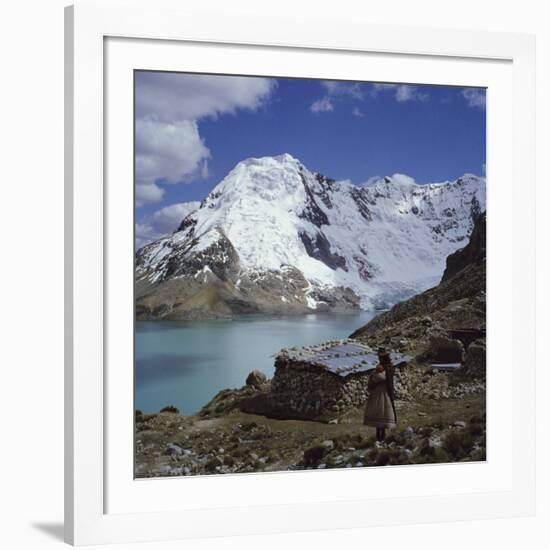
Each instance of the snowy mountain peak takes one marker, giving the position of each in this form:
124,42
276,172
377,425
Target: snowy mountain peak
397,181
260,164
270,177
270,214
284,158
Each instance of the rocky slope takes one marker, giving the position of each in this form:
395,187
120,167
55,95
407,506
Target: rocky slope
444,318
221,439
274,237
441,416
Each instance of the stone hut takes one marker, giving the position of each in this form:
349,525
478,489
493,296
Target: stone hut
320,382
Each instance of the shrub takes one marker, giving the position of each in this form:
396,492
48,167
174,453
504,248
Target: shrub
372,456
479,455
239,452
397,437
425,431
356,459
228,460
341,442
272,456
439,424
439,456
212,464
383,458
476,429
430,455
366,442
389,456
313,455
426,450
248,426
356,441
458,443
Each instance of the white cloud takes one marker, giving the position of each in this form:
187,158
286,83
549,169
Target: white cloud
323,105
172,97
351,89
144,234
168,107
475,97
163,222
336,90
174,152
204,170
382,87
402,92
358,91
167,219
148,192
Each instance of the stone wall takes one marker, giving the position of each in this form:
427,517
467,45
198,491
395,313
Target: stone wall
303,390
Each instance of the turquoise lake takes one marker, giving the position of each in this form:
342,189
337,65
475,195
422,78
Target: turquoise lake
185,363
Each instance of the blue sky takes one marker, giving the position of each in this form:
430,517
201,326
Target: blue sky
191,130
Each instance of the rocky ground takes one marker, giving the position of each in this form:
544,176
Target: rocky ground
441,415
222,439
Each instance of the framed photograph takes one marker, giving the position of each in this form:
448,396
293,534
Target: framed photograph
299,274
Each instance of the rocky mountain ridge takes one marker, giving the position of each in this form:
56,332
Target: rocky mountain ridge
274,237
447,320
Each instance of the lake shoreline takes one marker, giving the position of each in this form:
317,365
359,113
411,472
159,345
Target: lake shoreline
185,363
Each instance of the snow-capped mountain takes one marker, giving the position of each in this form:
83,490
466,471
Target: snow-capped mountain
273,236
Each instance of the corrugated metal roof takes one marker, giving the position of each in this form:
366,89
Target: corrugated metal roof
343,357
446,366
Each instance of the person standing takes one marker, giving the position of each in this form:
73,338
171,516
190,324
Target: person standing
380,408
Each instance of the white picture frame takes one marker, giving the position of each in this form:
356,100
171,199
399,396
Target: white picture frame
103,503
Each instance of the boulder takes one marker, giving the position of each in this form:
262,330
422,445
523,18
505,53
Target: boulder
173,449
408,432
313,455
256,379
445,350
